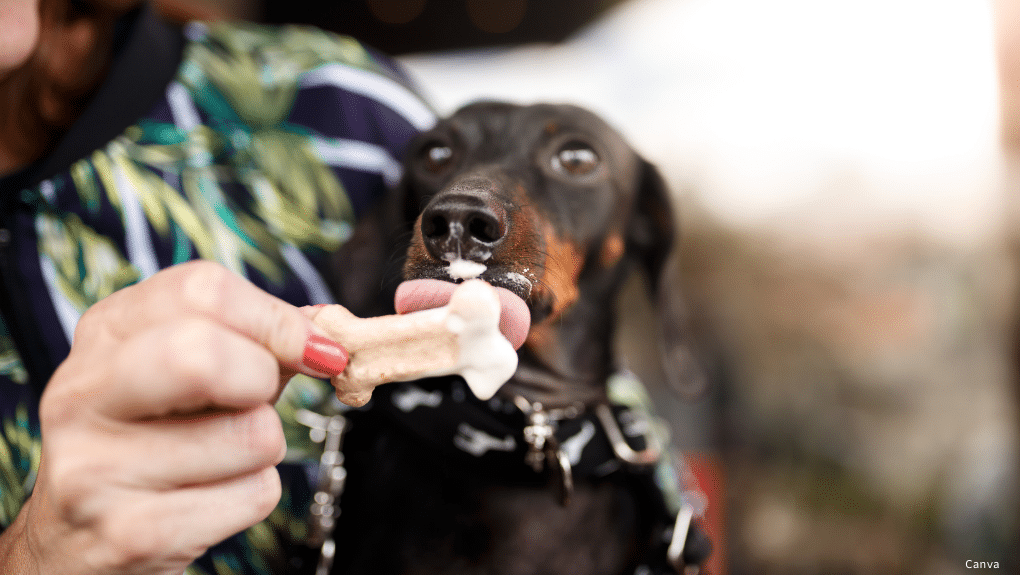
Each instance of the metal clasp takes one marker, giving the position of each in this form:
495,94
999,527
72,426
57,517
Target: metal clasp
543,447
539,434
325,507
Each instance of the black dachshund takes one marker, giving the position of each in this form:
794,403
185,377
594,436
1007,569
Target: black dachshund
550,476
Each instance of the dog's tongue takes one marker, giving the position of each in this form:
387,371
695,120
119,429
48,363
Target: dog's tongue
418,295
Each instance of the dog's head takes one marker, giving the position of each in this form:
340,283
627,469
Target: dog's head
550,203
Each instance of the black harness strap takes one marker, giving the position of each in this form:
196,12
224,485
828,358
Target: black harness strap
578,442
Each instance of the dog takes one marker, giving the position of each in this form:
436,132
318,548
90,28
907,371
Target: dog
551,203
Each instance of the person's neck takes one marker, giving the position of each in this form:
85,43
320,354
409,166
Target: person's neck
40,100
9,163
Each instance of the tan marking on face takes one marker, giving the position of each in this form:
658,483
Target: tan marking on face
542,339
612,250
520,248
563,262
417,254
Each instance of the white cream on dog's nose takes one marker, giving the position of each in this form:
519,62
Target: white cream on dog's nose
461,338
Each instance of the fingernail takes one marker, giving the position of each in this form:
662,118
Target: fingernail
325,355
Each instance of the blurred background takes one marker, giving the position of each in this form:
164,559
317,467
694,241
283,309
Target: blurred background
848,210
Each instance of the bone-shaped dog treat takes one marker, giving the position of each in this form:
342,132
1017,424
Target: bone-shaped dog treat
461,338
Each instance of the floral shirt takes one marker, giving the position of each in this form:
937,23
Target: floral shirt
260,152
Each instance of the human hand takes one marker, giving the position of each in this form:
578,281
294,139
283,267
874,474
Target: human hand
159,433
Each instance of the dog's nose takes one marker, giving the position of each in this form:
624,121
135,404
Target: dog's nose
462,226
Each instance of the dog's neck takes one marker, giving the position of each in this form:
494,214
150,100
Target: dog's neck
567,360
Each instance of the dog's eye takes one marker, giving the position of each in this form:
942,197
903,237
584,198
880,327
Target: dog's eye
436,157
576,159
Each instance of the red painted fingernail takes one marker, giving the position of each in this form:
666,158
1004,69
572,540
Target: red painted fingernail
325,355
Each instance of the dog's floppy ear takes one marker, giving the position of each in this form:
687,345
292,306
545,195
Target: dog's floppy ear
652,237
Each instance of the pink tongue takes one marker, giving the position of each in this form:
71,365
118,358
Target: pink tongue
417,295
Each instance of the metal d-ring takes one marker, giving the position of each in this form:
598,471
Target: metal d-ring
566,476
650,455
682,525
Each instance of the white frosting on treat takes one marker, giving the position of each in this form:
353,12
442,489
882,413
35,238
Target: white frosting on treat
461,269
486,360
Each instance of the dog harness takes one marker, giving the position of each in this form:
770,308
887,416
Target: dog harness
519,436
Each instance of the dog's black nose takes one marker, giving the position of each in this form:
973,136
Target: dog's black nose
456,226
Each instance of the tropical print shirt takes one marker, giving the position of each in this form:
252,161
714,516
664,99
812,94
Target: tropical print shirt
260,152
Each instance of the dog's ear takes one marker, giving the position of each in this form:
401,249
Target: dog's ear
652,237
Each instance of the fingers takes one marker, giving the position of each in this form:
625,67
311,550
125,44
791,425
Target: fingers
185,366
203,450
235,505
176,526
164,454
309,311
204,289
